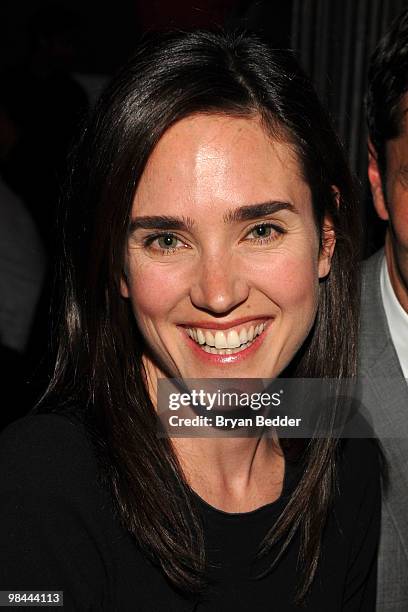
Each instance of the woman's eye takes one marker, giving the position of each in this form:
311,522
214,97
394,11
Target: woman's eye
262,231
164,243
167,241
265,232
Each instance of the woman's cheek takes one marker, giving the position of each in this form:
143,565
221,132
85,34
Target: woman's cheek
292,281
156,289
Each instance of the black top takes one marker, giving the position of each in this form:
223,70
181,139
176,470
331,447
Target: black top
58,531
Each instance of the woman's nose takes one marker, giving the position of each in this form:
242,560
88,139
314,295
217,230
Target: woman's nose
219,286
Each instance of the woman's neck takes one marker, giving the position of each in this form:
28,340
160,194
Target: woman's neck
232,474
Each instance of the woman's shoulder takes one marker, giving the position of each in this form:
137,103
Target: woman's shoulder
39,427
40,424
48,448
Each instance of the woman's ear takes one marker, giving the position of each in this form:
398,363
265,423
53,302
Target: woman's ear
328,241
124,284
327,247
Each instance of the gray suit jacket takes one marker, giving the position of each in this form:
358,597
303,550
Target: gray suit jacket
385,395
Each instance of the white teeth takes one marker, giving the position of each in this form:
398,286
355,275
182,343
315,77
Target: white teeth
220,340
214,351
209,338
225,343
233,340
200,337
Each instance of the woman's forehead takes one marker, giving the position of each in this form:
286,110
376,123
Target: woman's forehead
206,162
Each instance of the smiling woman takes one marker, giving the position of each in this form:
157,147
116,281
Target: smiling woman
210,231
250,210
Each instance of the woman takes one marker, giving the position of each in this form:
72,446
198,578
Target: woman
209,201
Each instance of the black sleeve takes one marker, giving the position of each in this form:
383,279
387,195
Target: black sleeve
49,534
361,580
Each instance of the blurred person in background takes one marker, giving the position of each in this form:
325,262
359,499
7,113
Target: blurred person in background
44,105
22,272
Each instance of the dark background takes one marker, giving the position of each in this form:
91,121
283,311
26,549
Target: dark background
86,40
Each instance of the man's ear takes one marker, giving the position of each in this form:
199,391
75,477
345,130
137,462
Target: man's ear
374,176
328,244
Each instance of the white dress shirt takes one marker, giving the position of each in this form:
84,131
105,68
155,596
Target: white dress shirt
397,318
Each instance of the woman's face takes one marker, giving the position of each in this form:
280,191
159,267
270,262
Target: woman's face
223,260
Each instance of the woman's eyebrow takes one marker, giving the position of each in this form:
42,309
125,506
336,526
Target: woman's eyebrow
162,222
255,211
243,213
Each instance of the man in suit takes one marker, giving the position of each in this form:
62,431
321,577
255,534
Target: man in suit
384,332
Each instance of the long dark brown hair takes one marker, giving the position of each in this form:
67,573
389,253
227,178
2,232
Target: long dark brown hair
98,365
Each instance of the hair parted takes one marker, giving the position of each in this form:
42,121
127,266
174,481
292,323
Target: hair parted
99,348
387,84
